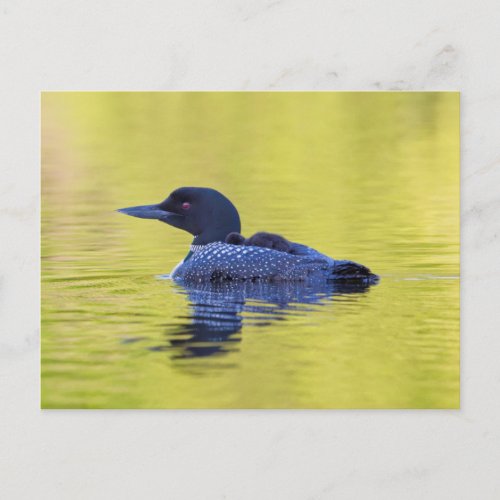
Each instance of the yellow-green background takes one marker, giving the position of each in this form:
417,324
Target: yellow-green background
372,177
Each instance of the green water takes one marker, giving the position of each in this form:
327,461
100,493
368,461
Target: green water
373,177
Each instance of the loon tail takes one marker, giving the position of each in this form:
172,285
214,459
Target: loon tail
347,270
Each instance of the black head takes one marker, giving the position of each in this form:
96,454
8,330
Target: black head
205,213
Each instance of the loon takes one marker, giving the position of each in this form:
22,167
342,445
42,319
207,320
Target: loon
220,253
266,240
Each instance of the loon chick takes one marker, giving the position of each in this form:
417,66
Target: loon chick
210,217
235,239
261,239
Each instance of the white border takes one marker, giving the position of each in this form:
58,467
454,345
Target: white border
249,45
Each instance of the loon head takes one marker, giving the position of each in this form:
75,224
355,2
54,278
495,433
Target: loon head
205,213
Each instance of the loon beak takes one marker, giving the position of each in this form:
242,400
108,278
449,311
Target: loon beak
150,212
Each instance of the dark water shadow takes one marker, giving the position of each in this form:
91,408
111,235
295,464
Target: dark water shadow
218,311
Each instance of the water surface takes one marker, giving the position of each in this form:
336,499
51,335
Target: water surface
372,177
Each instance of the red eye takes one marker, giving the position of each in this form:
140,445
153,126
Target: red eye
186,205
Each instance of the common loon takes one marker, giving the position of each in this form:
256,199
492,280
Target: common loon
210,217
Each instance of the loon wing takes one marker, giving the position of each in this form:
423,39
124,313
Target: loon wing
341,269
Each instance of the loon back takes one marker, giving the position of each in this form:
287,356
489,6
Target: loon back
210,217
225,262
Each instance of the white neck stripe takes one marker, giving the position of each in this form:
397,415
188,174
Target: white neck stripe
196,248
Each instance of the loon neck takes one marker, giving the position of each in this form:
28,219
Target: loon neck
216,224
212,236
193,249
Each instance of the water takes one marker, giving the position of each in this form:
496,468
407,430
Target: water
372,177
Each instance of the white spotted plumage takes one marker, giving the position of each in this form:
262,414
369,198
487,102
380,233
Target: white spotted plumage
223,261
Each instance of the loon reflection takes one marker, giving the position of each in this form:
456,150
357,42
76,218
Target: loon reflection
218,311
